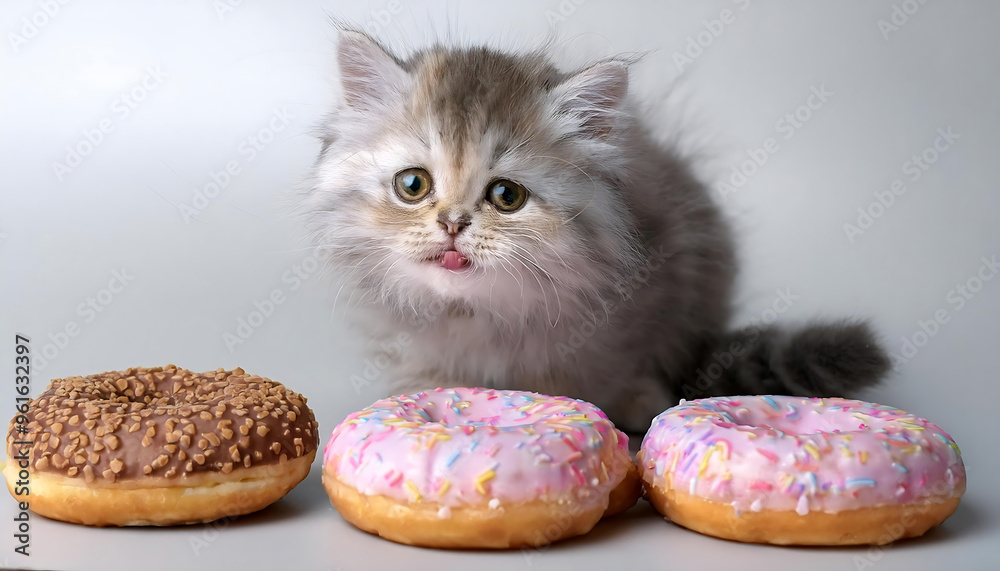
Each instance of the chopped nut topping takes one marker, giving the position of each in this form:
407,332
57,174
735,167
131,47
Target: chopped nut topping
77,418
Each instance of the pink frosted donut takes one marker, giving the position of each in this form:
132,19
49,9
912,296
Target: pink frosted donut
478,468
804,471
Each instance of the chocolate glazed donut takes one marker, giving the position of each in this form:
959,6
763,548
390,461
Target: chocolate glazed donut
161,446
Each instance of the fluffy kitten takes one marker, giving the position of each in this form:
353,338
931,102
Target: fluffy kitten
515,226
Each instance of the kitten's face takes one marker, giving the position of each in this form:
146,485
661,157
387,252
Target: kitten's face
475,177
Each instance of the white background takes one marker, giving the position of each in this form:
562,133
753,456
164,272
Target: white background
227,72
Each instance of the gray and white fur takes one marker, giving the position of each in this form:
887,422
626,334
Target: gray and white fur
611,284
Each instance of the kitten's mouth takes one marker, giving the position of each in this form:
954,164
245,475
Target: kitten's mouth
453,260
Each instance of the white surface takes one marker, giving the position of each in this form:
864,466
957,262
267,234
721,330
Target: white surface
60,241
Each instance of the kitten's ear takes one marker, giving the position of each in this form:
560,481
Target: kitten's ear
369,74
593,96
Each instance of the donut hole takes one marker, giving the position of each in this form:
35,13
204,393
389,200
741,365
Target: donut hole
439,408
170,393
803,421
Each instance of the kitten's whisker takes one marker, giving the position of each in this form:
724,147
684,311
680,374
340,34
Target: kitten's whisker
529,256
586,174
389,269
520,282
555,290
361,281
562,261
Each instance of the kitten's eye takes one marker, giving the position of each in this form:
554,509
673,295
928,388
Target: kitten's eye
506,195
412,184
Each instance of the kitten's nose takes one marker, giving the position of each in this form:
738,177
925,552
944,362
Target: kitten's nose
453,225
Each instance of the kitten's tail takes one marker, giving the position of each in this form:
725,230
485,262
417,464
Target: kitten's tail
820,359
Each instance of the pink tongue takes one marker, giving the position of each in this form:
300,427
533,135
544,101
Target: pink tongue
452,260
